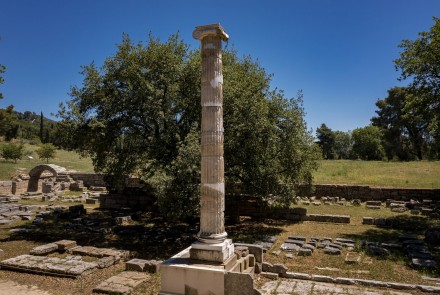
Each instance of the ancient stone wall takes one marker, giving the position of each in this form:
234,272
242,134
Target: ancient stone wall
89,179
368,193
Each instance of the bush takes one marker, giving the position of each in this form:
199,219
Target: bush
12,151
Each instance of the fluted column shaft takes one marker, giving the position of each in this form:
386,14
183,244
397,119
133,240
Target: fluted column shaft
212,199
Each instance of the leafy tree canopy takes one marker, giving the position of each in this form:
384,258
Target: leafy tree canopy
139,114
12,151
420,63
326,140
46,151
367,143
405,130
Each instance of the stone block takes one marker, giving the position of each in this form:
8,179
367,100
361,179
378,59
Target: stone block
290,247
332,251
352,258
256,250
239,283
267,267
378,251
373,207
297,275
320,278
423,263
44,249
345,281
429,289
279,268
64,245
299,238
105,262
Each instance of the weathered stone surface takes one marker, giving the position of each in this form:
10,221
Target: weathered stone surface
320,278
290,247
429,289
239,283
123,220
255,250
332,251
68,266
373,207
123,283
297,275
345,281
279,268
44,249
106,262
64,245
352,258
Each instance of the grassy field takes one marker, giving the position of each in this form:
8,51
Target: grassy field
421,174
69,160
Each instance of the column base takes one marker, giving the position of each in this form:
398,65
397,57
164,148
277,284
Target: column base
216,252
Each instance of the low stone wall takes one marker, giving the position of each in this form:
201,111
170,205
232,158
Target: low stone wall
368,193
89,179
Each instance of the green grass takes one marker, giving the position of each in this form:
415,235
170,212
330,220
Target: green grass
420,174
66,159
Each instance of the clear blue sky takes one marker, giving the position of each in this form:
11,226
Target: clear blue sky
339,52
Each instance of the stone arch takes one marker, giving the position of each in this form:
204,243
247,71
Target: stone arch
35,174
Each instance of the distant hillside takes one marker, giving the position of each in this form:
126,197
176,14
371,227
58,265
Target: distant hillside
26,126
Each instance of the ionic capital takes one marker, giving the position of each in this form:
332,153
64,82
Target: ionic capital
215,30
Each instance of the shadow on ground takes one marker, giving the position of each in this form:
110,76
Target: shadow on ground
147,236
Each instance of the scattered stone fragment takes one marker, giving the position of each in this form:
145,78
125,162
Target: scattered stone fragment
378,251
124,220
290,247
332,251
423,263
352,258
368,220
44,249
288,255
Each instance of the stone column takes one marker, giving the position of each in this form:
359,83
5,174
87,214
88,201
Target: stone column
212,199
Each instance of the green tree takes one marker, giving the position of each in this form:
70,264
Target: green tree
367,143
46,151
326,140
405,132
12,151
2,80
139,114
41,128
419,62
343,144
8,124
